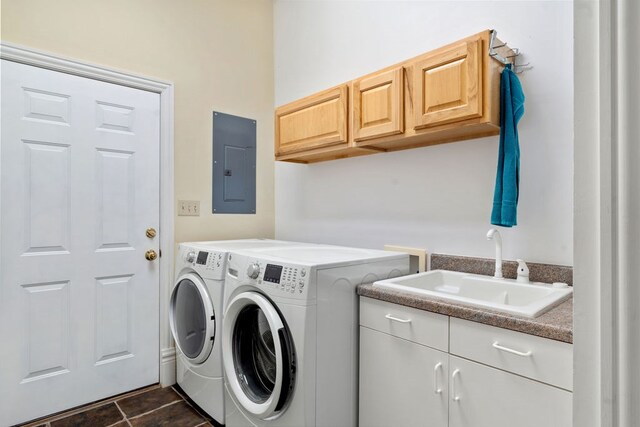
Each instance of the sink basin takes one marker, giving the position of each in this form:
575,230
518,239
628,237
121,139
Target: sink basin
505,295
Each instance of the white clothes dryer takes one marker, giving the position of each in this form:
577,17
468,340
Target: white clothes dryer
195,316
290,336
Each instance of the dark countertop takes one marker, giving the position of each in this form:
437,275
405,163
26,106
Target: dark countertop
555,324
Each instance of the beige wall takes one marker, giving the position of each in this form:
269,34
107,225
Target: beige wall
219,55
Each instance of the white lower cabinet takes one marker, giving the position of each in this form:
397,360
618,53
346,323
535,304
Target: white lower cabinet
405,384
482,396
407,380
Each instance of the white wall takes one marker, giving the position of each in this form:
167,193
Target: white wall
435,197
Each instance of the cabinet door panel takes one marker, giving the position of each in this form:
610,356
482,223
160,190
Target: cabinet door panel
448,85
489,397
401,383
378,105
317,121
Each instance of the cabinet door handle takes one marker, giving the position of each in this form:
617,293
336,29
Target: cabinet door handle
436,389
497,346
397,319
454,395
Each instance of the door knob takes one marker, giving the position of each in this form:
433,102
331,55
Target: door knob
150,255
151,233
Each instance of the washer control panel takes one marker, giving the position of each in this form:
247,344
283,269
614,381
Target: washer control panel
210,264
289,280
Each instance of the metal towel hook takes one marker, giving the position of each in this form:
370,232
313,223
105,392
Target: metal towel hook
509,59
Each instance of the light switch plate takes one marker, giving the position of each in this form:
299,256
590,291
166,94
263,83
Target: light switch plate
417,257
188,208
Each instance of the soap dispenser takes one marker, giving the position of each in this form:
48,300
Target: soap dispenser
523,272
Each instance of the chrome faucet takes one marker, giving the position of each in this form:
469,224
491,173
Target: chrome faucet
494,235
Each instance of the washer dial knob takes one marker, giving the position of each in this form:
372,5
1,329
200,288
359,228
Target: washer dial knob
191,256
253,271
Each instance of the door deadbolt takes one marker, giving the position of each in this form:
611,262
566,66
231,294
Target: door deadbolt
151,232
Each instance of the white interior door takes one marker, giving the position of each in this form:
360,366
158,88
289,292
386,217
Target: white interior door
79,303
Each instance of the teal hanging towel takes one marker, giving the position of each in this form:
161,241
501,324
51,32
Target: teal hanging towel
505,197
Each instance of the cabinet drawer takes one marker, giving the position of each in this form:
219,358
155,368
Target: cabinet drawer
415,325
534,357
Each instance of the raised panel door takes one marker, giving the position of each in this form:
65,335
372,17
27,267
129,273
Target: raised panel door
378,105
80,185
448,85
317,121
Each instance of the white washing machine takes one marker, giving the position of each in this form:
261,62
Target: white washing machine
290,336
195,316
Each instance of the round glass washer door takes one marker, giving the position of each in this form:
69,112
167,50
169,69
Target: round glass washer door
258,355
192,318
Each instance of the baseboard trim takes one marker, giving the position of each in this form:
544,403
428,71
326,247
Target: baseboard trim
168,366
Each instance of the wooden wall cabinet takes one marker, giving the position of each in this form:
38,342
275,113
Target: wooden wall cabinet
317,121
448,85
378,105
446,95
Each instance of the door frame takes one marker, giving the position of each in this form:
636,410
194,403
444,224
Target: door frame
54,62
606,206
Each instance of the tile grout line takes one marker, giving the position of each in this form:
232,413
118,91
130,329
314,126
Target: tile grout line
156,409
71,413
68,414
179,393
47,420
198,411
194,407
179,397
122,412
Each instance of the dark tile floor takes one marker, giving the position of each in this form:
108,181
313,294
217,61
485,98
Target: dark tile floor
152,406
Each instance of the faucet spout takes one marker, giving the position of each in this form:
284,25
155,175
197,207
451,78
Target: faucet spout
494,235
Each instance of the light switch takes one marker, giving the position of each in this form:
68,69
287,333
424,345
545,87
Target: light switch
188,208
